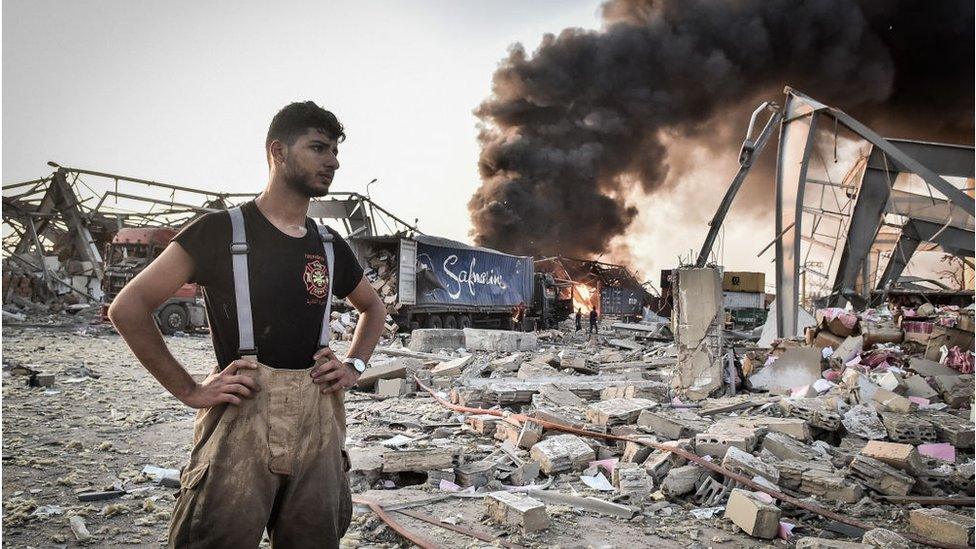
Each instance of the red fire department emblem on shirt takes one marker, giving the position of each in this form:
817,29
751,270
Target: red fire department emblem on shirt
316,279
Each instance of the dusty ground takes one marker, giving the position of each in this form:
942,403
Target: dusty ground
86,433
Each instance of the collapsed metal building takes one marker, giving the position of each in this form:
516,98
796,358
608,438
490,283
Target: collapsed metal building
855,227
58,229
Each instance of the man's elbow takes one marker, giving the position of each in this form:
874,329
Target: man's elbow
124,309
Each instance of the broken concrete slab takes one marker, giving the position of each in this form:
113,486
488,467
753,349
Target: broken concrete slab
517,510
893,402
418,460
916,386
618,411
882,538
850,348
396,368
786,447
699,321
426,340
881,477
930,368
864,422
508,363
756,517
749,465
672,424
395,387
942,525
562,453
499,340
682,480
901,456
451,368
632,480
797,367
908,428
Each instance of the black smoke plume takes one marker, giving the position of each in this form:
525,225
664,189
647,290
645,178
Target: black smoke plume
570,129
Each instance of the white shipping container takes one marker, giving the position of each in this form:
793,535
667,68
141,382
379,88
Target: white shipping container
742,300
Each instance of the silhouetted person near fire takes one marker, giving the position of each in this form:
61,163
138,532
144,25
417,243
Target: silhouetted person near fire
593,317
579,319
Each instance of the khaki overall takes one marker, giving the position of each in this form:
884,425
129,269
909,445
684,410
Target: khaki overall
276,461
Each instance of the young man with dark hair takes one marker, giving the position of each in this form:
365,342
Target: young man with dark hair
268,442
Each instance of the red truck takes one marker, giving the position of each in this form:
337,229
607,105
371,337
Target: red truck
130,251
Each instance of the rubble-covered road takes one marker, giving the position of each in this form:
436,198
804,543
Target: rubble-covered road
91,434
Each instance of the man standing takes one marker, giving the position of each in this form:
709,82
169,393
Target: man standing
268,443
579,319
593,326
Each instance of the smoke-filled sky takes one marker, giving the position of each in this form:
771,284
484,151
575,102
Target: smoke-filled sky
616,140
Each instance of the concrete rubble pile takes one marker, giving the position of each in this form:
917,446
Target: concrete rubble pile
857,419
854,419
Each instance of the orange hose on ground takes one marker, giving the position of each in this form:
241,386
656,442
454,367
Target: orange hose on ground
419,541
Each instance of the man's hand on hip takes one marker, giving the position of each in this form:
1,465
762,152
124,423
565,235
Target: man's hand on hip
332,375
225,386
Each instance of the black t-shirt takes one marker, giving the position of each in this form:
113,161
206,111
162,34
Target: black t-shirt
289,282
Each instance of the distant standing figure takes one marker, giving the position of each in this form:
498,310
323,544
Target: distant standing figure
579,319
593,326
518,316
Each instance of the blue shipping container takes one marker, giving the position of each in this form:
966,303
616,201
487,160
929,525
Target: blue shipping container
457,274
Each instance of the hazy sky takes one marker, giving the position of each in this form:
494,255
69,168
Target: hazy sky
182,92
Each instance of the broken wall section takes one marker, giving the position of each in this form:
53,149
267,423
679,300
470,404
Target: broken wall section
697,321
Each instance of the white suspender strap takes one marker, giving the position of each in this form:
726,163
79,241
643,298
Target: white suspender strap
326,237
242,287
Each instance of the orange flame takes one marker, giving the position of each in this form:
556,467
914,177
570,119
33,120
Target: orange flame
583,297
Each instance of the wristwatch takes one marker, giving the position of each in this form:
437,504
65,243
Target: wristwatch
356,364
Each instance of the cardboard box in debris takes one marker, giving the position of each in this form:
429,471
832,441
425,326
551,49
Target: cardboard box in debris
856,418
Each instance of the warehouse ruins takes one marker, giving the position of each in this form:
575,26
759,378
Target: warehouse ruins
834,412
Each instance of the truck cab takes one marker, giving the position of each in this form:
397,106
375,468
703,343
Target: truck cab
130,251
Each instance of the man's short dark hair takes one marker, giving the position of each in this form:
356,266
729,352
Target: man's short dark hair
296,119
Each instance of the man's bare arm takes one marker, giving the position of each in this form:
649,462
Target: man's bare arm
372,316
131,313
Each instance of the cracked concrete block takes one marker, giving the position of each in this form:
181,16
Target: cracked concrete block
749,465
426,340
885,539
788,448
618,411
672,424
756,518
893,402
881,477
863,421
941,525
682,480
451,368
395,387
562,453
396,368
517,510
499,340
900,456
